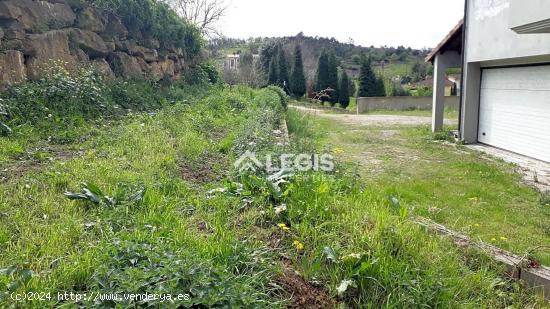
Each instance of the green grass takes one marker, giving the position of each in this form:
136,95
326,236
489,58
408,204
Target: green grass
10,149
395,69
450,113
448,183
159,228
71,246
354,215
352,104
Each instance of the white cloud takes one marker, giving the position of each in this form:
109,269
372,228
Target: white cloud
417,24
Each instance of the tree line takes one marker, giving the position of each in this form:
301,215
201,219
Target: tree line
273,60
348,51
332,83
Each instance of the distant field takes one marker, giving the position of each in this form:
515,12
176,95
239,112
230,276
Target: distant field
394,69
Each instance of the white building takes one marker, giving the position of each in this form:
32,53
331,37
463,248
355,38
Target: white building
503,48
233,62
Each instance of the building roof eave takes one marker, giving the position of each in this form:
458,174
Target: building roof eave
456,33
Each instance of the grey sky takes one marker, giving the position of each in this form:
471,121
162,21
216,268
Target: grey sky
420,23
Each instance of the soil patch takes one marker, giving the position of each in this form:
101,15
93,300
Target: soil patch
207,169
302,293
32,162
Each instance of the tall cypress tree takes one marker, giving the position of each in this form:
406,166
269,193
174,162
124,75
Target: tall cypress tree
367,80
344,90
283,69
273,75
266,54
297,76
333,77
321,80
380,87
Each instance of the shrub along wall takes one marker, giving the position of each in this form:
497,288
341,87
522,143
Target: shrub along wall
117,37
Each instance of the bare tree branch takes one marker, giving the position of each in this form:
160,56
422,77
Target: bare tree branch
203,13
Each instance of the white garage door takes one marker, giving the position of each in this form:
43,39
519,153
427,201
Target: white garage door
515,110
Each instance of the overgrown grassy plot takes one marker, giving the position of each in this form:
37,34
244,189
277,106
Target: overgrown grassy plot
144,228
143,223
360,240
448,183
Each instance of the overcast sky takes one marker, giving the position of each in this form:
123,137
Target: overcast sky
414,23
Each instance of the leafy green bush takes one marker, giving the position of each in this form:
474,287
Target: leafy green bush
442,136
180,91
146,19
58,93
4,129
63,100
423,92
204,73
212,70
394,89
257,134
196,76
284,98
135,94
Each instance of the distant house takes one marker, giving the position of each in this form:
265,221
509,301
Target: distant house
233,61
454,89
452,84
503,48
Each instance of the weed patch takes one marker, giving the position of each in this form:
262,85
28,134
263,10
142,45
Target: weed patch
158,268
442,136
169,237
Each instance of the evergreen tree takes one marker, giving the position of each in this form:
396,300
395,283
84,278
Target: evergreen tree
283,70
333,77
352,87
344,93
321,80
367,80
273,75
380,87
266,55
297,76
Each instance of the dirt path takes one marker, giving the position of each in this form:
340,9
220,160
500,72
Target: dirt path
372,119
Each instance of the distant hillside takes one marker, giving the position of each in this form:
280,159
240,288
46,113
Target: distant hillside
392,62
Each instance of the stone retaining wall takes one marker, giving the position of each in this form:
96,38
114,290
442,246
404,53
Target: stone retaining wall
35,32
